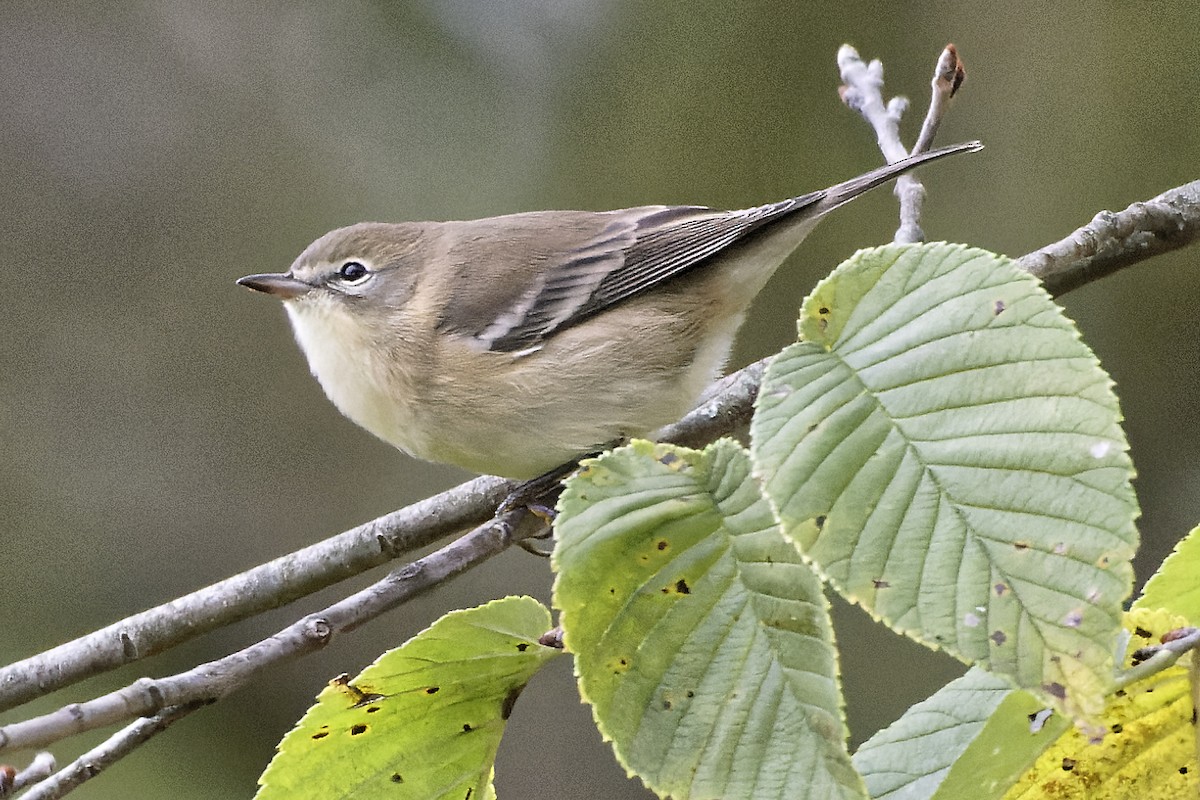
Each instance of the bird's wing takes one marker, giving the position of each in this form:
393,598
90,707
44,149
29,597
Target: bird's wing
620,254
639,249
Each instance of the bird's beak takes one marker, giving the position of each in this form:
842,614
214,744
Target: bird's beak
280,284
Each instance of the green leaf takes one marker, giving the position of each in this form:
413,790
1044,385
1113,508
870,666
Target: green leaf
1173,586
424,720
702,640
1016,734
949,453
910,759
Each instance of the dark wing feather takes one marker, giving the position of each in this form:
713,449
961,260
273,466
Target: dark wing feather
637,251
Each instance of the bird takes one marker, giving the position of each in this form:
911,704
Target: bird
514,344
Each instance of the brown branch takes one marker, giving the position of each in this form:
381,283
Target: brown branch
268,586
214,680
112,750
1113,241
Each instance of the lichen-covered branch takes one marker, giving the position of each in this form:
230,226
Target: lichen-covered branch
1115,240
214,680
109,752
268,586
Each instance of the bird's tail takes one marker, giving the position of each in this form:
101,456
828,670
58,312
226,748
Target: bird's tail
843,193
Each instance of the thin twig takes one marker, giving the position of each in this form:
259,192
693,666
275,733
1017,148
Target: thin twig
212,681
1113,241
862,91
948,76
1158,658
40,767
265,587
113,749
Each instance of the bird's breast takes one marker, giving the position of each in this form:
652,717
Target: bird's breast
359,376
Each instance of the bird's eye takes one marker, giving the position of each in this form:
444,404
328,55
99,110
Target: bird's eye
353,272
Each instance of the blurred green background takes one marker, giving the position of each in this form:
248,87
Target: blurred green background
159,428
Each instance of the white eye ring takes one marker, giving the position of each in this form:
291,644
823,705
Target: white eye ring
353,273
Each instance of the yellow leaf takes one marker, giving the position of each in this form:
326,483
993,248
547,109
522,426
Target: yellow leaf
1148,750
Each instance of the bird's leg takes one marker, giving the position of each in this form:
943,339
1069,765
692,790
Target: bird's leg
540,494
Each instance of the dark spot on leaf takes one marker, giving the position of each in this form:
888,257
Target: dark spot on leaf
1068,764
522,647
1117,727
432,689
510,700
1183,770
372,709
666,704
662,544
820,520
1103,561
1021,545
823,310
467,727
1142,632
690,693
612,590
998,638
397,778
467,796
1073,619
1055,689
812,427
357,729
320,734
1001,589
1193,716
1141,654
682,587
881,584
668,459
999,307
